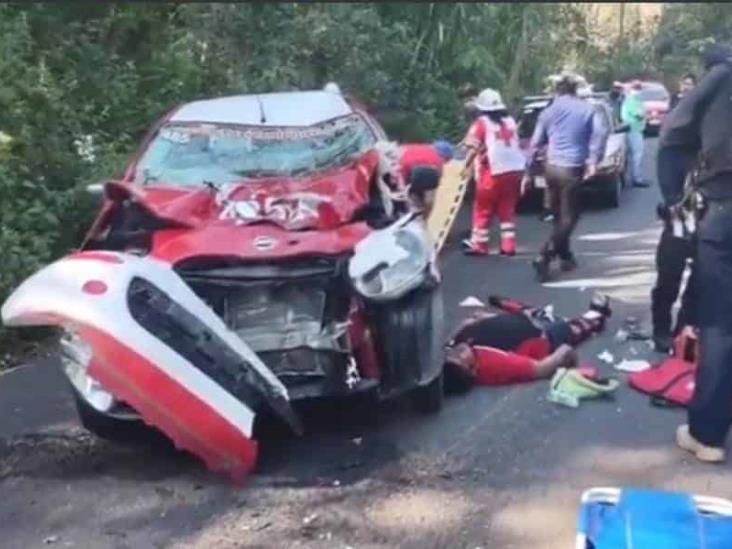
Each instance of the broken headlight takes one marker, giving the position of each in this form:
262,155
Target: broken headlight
391,262
75,358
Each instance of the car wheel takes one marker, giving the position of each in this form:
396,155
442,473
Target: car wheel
111,428
410,334
429,399
614,189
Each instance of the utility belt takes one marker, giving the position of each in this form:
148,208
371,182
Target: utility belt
684,216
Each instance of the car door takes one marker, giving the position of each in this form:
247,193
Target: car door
613,158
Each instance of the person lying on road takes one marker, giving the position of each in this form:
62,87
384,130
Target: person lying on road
521,343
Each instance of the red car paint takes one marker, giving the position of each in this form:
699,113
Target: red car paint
363,343
195,427
339,194
655,112
225,240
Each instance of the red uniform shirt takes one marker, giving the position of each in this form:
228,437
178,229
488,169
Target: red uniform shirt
497,145
413,155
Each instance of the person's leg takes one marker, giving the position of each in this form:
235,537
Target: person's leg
635,140
568,200
483,211
671,256
496,367
508,305
546,202
547,253
509,193
576,330
552,187
710,411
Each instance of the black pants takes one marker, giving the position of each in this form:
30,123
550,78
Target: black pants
710,412
672,255
563,186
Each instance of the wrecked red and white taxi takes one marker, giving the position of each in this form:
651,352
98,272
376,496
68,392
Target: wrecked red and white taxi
245,260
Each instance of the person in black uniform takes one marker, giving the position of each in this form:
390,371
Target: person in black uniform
675,249
702,122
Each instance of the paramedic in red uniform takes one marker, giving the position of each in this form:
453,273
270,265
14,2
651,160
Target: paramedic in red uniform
520,344
498,165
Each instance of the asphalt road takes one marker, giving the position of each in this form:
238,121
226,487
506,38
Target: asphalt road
497,468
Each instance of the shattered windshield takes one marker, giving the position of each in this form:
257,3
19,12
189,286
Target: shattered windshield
197,154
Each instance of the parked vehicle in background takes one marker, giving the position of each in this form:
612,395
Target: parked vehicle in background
657,102
610,178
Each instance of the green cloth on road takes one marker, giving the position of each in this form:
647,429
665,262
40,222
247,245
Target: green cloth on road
569,386
633,113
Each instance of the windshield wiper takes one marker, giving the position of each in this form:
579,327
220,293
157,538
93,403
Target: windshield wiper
148,177
212,186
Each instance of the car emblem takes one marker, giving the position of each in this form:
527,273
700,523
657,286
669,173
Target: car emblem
264,243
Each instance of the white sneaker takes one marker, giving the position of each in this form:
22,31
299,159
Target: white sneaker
707,454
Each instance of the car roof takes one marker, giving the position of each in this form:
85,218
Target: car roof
287,109
536,105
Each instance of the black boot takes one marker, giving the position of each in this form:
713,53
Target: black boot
568,264
541,267
601,303
662,342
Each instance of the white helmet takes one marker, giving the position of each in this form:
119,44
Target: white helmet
332,87
584,92
489,100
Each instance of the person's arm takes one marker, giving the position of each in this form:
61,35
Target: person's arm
540,135
473,140
672,166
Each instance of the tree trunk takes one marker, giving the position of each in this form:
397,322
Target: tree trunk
621,27
519,60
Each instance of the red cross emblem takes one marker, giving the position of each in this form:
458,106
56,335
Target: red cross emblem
505,134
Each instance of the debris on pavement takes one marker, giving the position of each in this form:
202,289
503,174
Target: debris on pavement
568,387
357,440
607,357
631,333
632,366
51,540
310,519
472,301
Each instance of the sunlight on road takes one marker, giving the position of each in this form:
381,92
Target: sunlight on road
632,287
424,509
606,237
554,506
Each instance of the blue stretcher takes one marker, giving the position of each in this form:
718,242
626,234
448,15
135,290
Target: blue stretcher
614,518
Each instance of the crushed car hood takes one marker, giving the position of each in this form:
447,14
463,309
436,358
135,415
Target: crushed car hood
321,201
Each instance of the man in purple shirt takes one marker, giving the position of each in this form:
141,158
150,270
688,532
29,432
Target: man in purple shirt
574,140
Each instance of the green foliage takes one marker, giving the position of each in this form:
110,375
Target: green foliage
683,32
